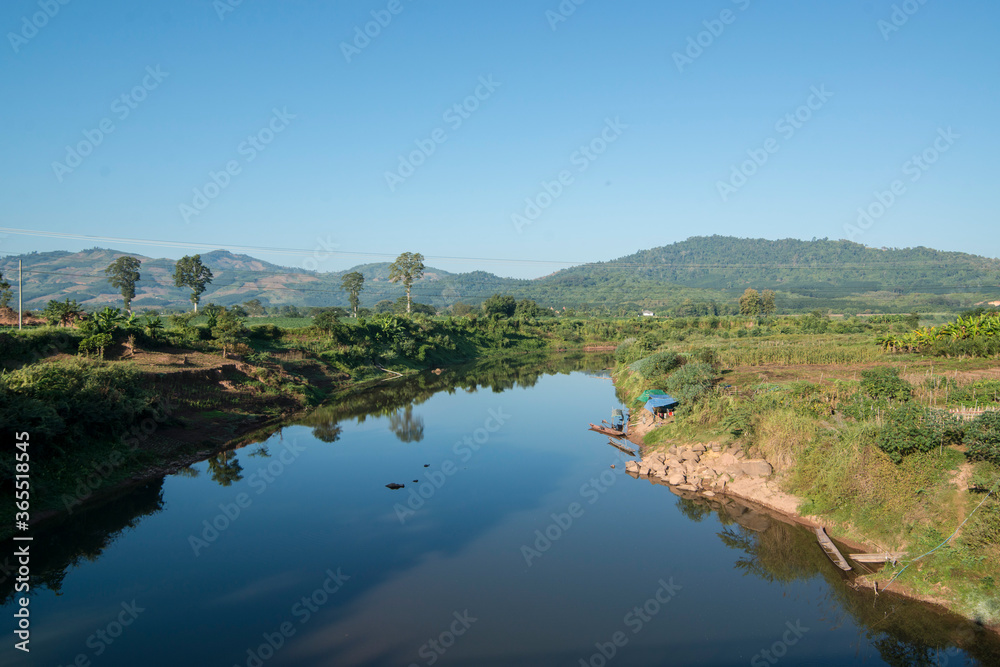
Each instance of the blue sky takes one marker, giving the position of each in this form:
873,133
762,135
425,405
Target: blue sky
211,85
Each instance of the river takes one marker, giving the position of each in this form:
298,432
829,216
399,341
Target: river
513,542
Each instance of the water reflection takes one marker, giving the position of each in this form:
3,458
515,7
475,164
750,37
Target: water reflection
396,399
63,543
903,630
225,468
406,426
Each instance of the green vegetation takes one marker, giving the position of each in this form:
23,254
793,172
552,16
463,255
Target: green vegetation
975,335
407,268
123,274
697,277
353,283
874,450
191,273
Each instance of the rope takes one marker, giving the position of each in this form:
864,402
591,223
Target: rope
949,539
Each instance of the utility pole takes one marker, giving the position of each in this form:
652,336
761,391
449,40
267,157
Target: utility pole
20,290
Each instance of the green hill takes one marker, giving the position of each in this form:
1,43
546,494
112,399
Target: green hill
699,275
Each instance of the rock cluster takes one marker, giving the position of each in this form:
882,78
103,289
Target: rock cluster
698,467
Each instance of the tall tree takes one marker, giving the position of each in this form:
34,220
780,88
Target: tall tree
123,274
5,293
353,283
190,272
407,268
750,303
767,306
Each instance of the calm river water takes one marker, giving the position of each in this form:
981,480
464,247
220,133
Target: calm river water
519,545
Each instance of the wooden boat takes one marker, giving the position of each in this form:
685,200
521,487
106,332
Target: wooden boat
607,431
831,549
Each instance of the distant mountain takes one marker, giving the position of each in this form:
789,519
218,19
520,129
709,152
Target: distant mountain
710,271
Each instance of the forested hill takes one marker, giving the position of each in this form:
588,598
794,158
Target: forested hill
820,269
699,275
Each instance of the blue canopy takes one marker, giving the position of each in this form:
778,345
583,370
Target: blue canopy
665,401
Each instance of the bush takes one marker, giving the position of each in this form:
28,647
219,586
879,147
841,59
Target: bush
689,383
982,438
95,343
73,402
657,364
266,332
883,382
913,428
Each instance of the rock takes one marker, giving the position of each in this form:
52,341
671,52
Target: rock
395,486
740,455
632,466
721,482
676,478
699,448
716,447
735,470
658,456
643,469
427,465
756,468
686,487
690,455
709,494
727,459
657,469
673,462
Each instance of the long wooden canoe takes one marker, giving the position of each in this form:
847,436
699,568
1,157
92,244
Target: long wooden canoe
831,549
607,431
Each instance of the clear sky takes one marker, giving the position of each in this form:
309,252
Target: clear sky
310,117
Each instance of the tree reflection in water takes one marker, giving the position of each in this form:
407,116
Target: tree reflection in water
903,630
62,543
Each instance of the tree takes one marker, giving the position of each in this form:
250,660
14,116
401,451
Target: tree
458,308
108,320
229,330
62,312
153,325
353,283
255,308
750,303
123,274
501,305
190,272
767,306
327,322
407,268
5,293
526,308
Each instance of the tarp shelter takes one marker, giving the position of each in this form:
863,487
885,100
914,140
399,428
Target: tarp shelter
650,393
661,403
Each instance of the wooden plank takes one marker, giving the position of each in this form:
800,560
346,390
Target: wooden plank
831,549
621,447
885,557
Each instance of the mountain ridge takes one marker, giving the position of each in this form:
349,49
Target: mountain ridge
700,270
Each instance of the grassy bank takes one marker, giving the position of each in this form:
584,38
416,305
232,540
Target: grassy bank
868,441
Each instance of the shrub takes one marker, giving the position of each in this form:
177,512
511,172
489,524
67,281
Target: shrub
883,382
689,383
982,438
95,343
657,364
913,428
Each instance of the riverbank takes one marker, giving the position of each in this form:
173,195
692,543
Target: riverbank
699,453
187,404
